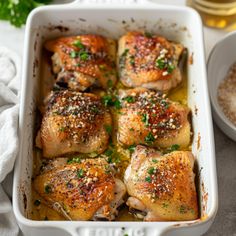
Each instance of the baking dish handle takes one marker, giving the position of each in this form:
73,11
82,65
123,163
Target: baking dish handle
118,231
111,2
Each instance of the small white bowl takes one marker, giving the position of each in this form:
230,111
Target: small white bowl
222,56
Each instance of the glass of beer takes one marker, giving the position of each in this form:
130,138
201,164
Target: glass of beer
216,13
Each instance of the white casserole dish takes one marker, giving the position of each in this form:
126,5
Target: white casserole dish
180,24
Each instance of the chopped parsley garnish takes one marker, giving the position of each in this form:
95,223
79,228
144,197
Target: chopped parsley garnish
149,139
92,154
62,129
151,170
108,152
117,104
73,54
80,173
160,63
107,100
83,56
95,110
155,161
74,160
173,148
164,103
148,179
124,54
109,83
110,101
37,202
148,34
78,44
129,99
47,189
145,118
108,129
164,64
131,60
170,68
131,148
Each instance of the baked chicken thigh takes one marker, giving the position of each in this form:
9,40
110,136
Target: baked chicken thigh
149,118
74,122
162,188
82,191
84,60
149,61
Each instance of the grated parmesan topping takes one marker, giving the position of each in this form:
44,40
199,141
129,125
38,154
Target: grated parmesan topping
227,94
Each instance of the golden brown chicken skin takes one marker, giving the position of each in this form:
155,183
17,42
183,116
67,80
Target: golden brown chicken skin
149,118
162,187
74,122
78,190
149,61
83,61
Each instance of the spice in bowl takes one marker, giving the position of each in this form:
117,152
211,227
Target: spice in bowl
227,94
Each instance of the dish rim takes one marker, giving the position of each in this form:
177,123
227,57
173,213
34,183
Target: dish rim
166,225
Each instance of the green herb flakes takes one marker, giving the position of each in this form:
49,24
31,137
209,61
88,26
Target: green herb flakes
74,160
170,68
80,173
73,54
117,104
145,118
151,170
160,63
131,148
148,179
124,54
148,34
129,99
149,139
47,189
78,44
108,129
62,129
37,202
173,148
108,152
83,56
109,83
155,161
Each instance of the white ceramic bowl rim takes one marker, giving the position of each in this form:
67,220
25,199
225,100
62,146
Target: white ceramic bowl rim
215,106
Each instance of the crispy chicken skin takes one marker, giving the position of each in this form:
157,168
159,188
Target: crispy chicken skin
162,186
149,118
149,61
83,61
74,122
78,190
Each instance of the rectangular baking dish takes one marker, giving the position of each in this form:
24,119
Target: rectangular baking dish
114,18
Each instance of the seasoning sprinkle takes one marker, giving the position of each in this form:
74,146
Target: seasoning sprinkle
227,94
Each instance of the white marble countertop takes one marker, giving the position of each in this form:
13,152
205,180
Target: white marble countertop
225,222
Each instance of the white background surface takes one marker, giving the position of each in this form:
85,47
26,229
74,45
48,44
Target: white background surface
225,223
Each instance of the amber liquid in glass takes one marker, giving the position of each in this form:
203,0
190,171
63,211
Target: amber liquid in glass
216,13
